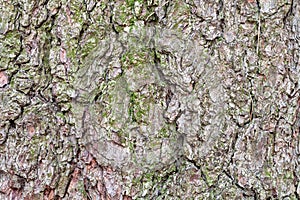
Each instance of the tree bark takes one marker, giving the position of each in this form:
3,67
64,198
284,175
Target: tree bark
149,99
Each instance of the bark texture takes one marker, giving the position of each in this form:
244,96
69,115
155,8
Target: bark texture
149,99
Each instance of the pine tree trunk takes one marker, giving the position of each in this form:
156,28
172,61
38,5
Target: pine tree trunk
150,99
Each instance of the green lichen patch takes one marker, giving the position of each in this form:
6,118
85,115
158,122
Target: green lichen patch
10,46
138,108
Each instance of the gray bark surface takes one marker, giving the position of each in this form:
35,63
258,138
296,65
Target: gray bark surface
150,99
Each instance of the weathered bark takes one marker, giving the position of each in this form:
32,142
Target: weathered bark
149,99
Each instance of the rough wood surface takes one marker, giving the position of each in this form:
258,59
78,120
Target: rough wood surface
149,99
